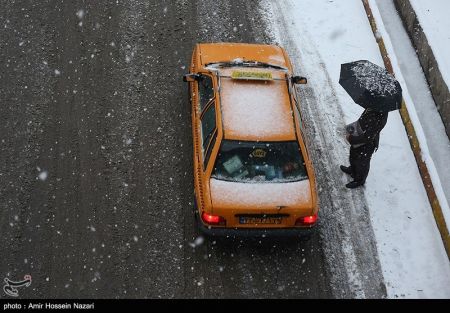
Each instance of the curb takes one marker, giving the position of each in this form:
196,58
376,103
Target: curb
413,140
438,86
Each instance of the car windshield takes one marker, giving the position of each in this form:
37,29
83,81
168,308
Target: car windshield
241,161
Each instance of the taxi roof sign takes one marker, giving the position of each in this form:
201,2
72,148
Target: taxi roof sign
247,75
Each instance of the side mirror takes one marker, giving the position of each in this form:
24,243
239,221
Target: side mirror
190,78
299,80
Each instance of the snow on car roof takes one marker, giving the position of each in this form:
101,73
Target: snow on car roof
256,110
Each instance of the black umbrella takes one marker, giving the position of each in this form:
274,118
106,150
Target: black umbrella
371,86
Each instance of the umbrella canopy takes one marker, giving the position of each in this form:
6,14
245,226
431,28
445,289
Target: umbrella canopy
371,86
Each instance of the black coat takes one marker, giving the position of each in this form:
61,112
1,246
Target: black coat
372,123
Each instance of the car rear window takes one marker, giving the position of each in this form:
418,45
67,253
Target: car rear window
258,162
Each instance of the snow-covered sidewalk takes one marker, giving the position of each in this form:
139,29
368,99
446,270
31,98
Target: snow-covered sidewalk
422,104
413,259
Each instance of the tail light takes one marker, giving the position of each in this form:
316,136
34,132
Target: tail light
307,221
213,219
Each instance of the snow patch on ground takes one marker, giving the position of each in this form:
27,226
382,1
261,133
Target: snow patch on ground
306,30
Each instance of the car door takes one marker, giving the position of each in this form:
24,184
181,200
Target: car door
299,122
208,131
206,118
205,123
301,134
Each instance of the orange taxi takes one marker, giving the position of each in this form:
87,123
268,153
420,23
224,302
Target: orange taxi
252,172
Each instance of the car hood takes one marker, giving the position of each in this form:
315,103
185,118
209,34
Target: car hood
223,52
257,196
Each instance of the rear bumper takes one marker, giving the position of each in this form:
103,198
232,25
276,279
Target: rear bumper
255,232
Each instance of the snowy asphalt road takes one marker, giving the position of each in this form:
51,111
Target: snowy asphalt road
95,157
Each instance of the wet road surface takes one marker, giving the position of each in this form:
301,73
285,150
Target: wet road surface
96,190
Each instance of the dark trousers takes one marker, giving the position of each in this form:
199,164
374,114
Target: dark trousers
360,161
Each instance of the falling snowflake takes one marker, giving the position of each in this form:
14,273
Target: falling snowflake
81,13
43,175
197,242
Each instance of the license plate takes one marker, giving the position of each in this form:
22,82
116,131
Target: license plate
260,220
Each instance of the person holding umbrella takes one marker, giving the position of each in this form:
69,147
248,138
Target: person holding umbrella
363,145
373,88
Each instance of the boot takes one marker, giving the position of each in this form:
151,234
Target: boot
355,184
